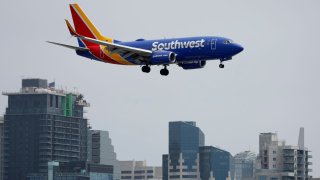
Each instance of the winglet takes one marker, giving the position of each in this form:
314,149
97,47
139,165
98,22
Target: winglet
71,29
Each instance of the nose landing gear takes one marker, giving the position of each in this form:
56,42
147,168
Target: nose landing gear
221,65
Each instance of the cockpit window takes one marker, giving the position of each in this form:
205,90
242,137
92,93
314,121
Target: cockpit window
228,41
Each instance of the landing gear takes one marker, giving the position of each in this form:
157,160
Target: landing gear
146,69
164,71
221,65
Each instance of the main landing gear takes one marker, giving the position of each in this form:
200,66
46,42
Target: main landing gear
163,72
146,69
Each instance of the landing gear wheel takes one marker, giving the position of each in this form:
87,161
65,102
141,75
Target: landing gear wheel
146,69
221,66
164,72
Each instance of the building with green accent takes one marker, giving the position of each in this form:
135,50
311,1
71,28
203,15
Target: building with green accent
42,124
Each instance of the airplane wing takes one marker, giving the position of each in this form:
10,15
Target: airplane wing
124,51
69,46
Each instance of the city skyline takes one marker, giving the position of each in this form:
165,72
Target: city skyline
37,95
271,87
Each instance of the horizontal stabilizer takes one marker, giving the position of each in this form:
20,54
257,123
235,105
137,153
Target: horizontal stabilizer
71,29
69,46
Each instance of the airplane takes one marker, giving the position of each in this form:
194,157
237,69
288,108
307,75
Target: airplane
188,53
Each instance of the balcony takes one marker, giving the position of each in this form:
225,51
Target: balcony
301,162
300,155
288,154
82,103
288,161
44,147
301,168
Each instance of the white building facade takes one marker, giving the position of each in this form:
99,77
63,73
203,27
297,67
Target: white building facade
277,161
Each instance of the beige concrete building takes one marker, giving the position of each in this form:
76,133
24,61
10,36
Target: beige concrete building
278,161
139,170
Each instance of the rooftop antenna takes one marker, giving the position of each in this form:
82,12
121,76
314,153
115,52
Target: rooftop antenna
301,138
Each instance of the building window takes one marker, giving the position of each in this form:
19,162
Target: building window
262,177
57,101
274,159
139,172
126,172
51,100
126,177
274,152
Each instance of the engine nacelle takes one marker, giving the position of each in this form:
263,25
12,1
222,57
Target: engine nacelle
193,64
163,57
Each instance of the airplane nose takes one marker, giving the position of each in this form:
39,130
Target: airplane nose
238,48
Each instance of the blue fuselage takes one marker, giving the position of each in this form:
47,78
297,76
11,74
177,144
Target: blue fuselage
191,49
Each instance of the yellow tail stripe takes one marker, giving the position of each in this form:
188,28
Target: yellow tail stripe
91,26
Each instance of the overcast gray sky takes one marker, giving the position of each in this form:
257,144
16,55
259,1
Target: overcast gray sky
272,86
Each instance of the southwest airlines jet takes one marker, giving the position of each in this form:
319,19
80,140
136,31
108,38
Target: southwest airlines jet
188,53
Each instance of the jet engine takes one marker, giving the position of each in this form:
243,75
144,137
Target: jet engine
162,57
193,65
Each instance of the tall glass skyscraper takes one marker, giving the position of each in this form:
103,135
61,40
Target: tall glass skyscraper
185,138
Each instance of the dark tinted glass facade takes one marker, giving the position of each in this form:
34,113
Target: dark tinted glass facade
216,163
184,142
165,166
1,148
42,126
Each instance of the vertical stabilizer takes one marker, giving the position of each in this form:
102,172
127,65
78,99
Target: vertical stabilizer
84,27
301,138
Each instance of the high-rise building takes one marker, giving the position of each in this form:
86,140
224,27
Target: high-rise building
189,158
182,162
277,161
42,124
245,164
139,170
1,147
101,150
215,164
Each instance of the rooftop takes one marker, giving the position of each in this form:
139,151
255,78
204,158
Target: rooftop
40,86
